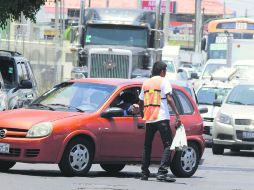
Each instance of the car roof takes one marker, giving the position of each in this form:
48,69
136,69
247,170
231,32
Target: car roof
6,53
109,81
216,61
218,84
117,82
244,62
182,83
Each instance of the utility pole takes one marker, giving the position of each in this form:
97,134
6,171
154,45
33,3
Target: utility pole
89,3
224,10
198,20
81,18
203,22
57,33
166,21
157,23
246,13
107,3
139,3
229,49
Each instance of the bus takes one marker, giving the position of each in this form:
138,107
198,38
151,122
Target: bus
219,30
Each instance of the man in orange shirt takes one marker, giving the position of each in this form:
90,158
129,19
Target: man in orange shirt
155,96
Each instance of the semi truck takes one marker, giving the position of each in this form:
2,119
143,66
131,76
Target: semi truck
118,43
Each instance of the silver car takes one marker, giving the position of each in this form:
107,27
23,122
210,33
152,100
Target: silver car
18,85
234,123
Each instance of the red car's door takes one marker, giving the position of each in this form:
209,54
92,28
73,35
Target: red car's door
122,138
187,117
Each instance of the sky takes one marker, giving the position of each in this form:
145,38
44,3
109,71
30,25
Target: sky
240,6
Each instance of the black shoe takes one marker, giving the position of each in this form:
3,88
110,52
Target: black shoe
163,177
144,177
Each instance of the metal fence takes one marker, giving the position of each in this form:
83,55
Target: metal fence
45,56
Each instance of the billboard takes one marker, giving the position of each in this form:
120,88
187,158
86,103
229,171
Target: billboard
151,5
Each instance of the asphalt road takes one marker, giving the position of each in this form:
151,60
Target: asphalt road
231,171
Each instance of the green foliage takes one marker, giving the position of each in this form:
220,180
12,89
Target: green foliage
12,9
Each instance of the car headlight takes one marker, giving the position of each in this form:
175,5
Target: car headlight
223,118
40,130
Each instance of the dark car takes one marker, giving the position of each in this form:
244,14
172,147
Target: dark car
80,123
18,81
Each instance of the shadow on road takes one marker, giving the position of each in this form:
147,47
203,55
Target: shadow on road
92,174
241,153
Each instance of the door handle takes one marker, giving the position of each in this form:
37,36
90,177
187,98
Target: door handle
141,125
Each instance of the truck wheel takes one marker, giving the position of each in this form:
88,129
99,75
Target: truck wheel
77,158
6,165
112,168
217,149
185,162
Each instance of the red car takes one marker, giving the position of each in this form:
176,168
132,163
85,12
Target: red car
82,122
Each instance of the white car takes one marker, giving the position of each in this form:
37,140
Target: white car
234,124
211,96
244,69
171,69
210,67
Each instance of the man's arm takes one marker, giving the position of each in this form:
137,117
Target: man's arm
141,108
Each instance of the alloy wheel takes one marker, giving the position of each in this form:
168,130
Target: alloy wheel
79,157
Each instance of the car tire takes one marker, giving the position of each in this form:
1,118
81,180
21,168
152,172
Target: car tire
77,158
112,168
235,149
217,149
6,165
185,162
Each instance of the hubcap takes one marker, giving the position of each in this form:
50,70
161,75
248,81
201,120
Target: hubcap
79,157
188,159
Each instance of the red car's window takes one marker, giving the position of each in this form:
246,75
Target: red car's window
186,105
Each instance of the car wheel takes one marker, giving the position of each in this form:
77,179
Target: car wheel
185,162
77,158
234,149
217,149
6,165
112,168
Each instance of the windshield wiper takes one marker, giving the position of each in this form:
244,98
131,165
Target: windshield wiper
42,105
66,106
235,102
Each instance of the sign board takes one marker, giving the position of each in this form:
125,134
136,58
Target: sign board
218,47
151,5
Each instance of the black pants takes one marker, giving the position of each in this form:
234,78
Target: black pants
166,137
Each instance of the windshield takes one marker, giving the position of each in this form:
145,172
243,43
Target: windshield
116,35
211,68
87,97
242,95
170,66
207,95
7,69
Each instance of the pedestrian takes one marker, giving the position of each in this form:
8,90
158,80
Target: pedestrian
155,96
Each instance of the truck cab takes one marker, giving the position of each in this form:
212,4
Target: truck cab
119,43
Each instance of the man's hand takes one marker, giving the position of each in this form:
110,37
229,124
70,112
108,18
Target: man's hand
135,109
178,122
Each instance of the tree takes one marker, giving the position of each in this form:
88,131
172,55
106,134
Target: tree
12,9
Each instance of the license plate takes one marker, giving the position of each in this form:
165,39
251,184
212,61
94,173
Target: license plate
4,148
248,135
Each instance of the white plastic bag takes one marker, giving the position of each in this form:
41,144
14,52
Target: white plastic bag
180,139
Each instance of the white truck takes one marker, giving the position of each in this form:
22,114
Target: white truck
232,50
